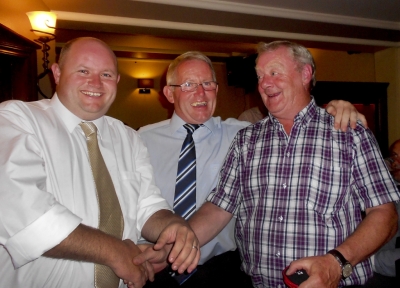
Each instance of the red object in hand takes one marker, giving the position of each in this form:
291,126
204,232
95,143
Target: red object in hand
295,279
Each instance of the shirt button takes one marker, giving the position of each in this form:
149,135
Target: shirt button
278,254
288,154
329,220
284,185
280,218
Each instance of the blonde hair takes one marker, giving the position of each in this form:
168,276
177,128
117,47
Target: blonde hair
191,55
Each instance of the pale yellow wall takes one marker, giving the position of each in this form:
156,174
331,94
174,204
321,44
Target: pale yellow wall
387,63
340,66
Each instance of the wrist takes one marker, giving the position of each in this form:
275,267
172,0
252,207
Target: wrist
346,269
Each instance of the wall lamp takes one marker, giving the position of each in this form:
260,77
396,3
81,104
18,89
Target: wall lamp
43,25
144,85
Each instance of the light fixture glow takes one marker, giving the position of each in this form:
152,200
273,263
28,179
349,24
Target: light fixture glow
43,23
144,85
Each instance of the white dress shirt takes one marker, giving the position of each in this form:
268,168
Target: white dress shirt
47,189
164,142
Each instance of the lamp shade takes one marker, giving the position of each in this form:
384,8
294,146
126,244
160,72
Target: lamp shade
42,21
145,83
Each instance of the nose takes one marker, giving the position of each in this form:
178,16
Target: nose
200,86
95,80
264,82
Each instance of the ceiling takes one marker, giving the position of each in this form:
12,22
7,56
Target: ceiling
229,27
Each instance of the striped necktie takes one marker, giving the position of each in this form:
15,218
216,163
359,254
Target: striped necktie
185,189
111,220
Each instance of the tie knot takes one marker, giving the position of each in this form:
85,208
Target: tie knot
191,127
88,128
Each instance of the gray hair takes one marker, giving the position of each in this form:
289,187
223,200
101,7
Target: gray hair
191,55
300,54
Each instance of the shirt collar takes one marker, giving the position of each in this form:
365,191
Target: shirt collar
177,122
303,117
70,120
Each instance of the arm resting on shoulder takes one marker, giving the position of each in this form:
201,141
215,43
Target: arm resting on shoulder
344,111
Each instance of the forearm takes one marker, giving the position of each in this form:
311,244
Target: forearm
89,245
370,235
208,221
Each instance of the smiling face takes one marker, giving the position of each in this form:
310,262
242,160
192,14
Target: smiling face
282,85
87,79
193,107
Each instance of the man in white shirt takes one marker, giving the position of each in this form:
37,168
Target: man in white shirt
48,207
192,88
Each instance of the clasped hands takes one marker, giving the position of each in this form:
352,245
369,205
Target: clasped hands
181,251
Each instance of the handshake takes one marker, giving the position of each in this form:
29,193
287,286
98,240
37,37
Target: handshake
178,250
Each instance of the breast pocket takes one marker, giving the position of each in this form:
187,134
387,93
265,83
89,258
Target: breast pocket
329,188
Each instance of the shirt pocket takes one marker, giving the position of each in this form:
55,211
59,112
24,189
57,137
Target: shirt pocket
328,188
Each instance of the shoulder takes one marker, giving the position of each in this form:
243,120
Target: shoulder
17,105
151,127
25,113
120,127
229,127
231,123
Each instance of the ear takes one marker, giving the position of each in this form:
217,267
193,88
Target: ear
306,74
56,72
169,94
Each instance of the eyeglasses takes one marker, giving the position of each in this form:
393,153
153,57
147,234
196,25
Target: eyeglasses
190,86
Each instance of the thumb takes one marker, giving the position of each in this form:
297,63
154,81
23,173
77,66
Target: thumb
142,257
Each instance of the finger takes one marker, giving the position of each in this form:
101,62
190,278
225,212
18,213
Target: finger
182,246
143,257
150,271
296,265
346,115
353,118
363,120
163,239
189,260
195,262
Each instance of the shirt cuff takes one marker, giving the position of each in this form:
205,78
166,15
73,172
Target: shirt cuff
41,235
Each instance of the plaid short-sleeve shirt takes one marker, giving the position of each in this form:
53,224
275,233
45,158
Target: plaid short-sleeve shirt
300,195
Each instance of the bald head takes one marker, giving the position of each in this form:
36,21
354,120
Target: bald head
67,47
86,77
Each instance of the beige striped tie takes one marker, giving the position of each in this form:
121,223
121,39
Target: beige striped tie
110,214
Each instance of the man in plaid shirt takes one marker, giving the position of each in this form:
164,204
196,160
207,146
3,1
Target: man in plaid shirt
298,188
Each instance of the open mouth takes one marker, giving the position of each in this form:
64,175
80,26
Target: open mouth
199,104
91,94
274,94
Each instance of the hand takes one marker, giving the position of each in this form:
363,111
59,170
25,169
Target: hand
124,267
185,253
157,258
324,271
344,112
